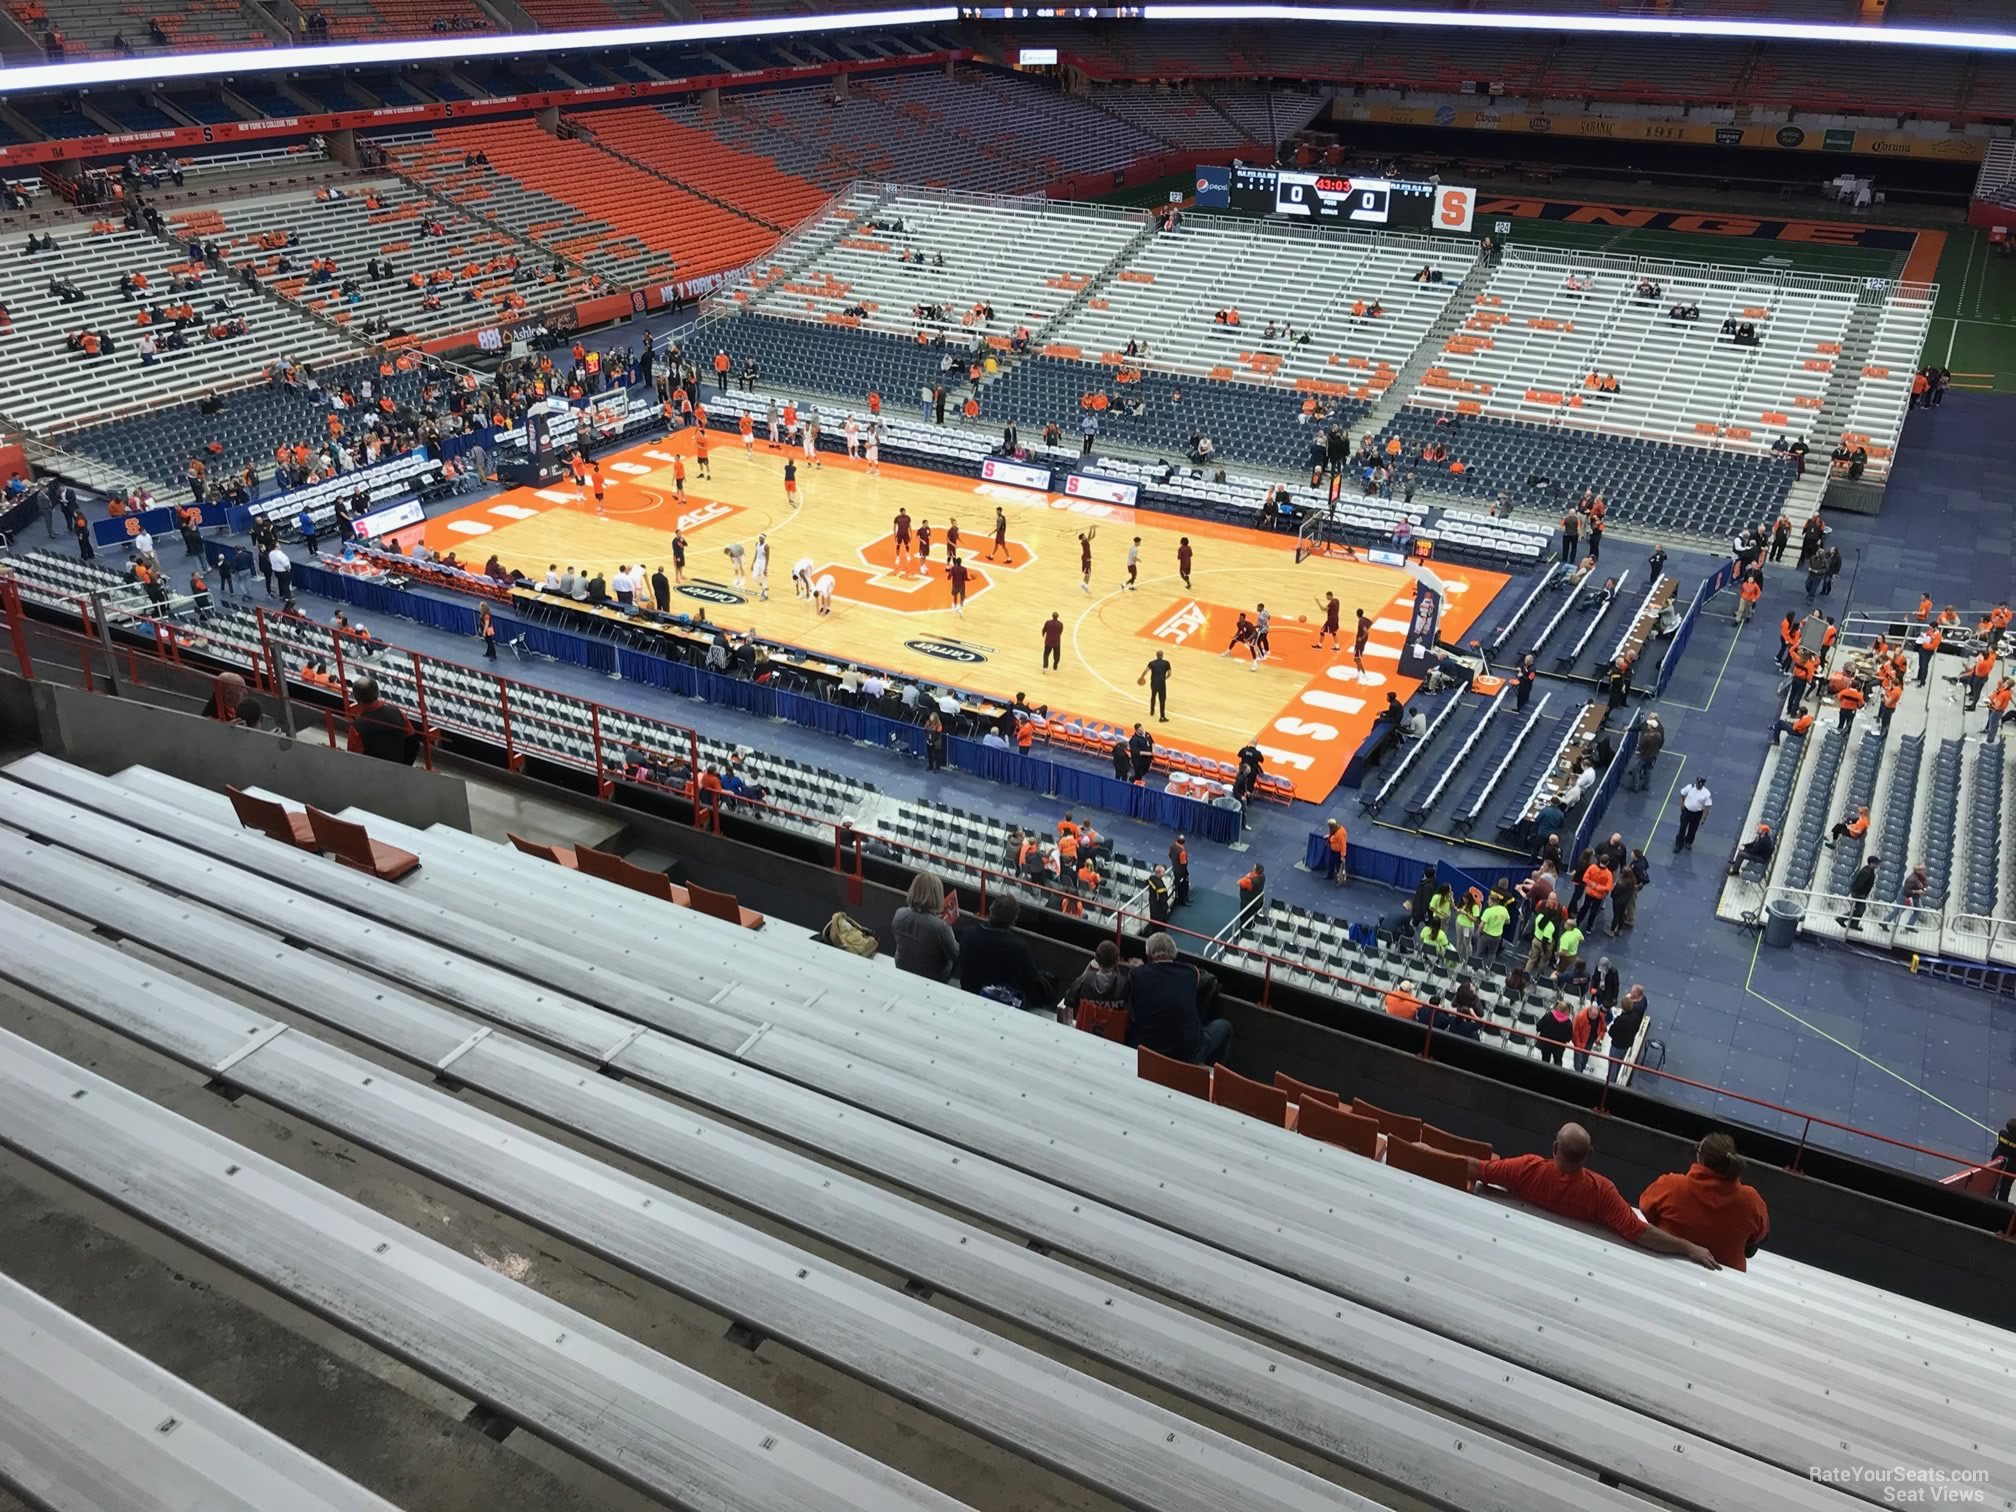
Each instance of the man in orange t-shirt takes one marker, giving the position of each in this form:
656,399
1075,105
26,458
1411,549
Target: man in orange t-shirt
1563,1184
1710,1204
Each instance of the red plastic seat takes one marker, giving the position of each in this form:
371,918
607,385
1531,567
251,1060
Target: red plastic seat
349,844
1180,1076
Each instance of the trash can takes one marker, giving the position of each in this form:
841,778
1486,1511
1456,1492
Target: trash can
1781,922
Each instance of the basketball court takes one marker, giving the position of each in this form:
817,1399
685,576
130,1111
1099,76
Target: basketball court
1307,708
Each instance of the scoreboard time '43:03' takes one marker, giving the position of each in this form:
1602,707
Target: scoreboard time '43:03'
1337,198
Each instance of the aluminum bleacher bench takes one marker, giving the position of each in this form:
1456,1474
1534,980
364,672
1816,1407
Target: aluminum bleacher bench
87,1425
1789,1380
1353,1424
1114,1442
657,1425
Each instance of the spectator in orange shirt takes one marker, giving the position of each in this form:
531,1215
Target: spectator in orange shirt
1854,827
1710,1205
1338,839
1401,1002
1563,1184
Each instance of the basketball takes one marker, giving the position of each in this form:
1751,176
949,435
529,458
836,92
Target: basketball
1301,619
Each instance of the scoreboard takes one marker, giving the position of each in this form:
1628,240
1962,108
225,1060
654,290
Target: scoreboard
1332,198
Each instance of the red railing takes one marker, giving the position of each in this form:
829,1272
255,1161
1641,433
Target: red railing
526,732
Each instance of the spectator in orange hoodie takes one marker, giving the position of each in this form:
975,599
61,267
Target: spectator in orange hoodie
1711,1205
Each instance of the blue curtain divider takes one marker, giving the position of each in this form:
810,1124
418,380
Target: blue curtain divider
1599,796
1392,869
1067,783
1711,585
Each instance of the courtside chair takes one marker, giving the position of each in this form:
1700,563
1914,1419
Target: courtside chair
1179,1076
1254,1099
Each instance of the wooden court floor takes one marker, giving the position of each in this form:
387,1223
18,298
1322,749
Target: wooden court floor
1306,707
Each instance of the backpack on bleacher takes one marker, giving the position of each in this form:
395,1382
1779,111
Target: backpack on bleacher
842,933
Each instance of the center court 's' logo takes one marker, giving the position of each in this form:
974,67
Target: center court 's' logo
1188,620
944,650
712,593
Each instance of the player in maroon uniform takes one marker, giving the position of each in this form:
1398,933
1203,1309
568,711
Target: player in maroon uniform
1000,535
901,526
1332,613
1085,557
1183,560
923,544
952,540
1246,634
956,574
1358,642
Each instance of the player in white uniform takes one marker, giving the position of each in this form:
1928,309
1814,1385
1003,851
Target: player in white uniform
1262,623
760,567
1133,565
823,592
734,552
874,451
801,578
853,430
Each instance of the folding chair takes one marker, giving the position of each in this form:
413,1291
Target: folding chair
273,821
349,844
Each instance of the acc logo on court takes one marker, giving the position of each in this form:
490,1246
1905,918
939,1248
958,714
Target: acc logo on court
706,514
950,651
709,593
1189,619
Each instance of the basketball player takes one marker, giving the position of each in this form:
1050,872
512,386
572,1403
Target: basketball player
1183,560
678,477
952,539
790,481
770,419
901,527
597,475
748,429
1243,635
759,569
852,431
1332,611
1133,565
812,439
700,454
734,552
801,578
1085,557
678,557
822,591
1364,633
874,452
1000,535
578,465
924,546
955,574
791,431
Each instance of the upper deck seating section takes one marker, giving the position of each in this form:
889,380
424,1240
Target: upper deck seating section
670,140
1028,121
89,27
46,384
1025,262
362,20
1172,289
1182,118
1546,324
468,258
588,15
627,225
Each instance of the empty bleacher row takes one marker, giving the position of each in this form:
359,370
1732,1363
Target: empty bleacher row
463,267
668,140
953,1104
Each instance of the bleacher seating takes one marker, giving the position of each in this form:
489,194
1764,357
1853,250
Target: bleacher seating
349,232
815,1061
1876,410
1655,485
126,1427
48,387
360,20
1172,287
666,140
628,226
88,27
1547,322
